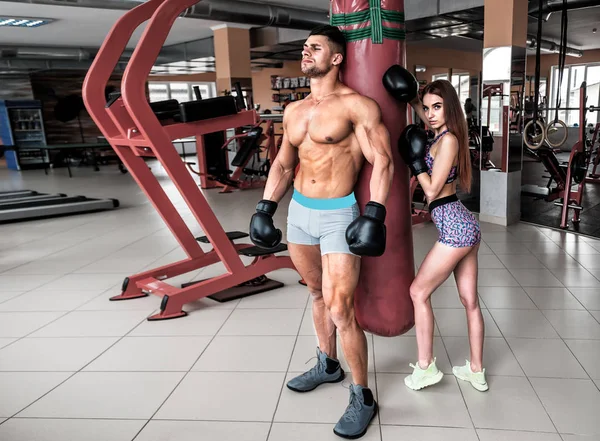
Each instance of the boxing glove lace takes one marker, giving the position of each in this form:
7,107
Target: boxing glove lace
366,234
412,146
262,231
400,84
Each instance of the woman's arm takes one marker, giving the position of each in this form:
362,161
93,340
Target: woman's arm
444,160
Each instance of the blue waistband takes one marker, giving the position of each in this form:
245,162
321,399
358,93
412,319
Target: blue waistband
324,204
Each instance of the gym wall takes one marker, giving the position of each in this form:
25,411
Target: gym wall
50,87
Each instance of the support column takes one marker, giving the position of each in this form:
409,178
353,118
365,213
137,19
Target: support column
503,72
232,58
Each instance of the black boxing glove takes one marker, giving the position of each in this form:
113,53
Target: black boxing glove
401,84
412,146
366,234
262,231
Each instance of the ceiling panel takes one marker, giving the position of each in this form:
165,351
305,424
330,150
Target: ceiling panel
579,28
84,27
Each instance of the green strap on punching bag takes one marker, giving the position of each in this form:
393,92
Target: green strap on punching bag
375,30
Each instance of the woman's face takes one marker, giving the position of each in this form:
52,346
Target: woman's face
433,105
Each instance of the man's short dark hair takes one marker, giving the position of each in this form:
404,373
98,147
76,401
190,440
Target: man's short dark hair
337,40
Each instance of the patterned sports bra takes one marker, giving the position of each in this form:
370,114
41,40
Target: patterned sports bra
429,160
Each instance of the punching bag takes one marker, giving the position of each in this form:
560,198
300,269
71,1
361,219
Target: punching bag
375,36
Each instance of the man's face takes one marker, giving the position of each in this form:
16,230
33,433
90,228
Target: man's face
317,57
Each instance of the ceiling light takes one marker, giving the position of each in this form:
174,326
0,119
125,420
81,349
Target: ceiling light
22,22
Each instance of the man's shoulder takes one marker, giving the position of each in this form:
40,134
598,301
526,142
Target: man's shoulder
361,104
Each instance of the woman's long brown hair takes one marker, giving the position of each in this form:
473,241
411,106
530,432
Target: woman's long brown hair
457,125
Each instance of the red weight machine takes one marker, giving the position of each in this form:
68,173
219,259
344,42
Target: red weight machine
254,141
134,129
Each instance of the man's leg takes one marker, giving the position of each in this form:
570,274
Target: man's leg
340,277
307,260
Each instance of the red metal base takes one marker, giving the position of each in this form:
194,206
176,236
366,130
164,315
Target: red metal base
161,316
128,296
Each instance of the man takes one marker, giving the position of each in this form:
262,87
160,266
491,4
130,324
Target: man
330,134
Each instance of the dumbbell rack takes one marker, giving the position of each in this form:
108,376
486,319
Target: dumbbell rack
134,132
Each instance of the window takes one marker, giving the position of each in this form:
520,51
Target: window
573,77
180,91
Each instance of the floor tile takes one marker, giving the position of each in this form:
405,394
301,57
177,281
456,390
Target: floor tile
393,355
395,433
314,431
538,248
52,354
20,389
489,261
76,282
508,248
263,322
446,297
520,261
326,404
567,437
576,278
93,324
496,277
588,354
453,323
572,404
44,300
234,396
553,298
201,322
24,282
523,323
577,249
293,297
557,261
535,277
139,354
510,403
497,356
209,430
109,395
6,295
441,405
589,297
574,324
6,341
503,297
19,324
546,358
69,430
509,435
589,261
247,354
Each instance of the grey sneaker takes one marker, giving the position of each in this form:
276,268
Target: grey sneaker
355,421
317,375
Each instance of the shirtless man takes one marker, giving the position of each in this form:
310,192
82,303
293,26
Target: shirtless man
330,134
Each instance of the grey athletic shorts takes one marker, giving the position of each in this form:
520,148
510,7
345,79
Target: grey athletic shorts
321,222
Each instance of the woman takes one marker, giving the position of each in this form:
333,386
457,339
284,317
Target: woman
439,166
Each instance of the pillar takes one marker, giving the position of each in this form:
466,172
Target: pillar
504,58
232,58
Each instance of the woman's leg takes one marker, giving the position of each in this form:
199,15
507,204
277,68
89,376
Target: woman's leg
435,269
465,274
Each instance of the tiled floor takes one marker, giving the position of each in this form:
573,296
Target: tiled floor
75,366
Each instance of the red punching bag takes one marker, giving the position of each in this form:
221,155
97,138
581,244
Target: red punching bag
375,37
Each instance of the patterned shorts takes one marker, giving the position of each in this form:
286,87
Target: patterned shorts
456,225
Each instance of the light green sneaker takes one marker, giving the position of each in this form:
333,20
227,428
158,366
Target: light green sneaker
421,378
477,379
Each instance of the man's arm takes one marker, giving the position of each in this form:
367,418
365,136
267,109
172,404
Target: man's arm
281,173
444,159
374,140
